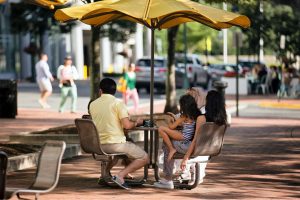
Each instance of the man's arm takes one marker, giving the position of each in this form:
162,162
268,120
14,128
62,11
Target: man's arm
47,71
127,124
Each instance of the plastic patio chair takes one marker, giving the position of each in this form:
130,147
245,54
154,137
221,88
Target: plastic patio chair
3,167
90,143
208,143
47,173
263,85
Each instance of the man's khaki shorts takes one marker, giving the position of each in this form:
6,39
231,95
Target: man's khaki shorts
130,149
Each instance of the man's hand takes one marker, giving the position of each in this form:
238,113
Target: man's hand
139,121
128,124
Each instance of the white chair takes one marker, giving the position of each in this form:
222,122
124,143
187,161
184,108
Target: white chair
47,173
208,143
263,85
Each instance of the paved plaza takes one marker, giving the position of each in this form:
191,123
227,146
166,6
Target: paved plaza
259,160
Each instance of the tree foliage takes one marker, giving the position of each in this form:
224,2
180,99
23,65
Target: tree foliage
279,18
30,18
118,31
196,34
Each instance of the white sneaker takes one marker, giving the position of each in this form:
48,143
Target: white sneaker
164,184
43,104
47,105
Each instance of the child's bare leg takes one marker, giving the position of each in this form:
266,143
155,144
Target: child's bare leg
171,153
162,132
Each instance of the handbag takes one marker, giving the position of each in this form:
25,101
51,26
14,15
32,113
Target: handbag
122,85
67,83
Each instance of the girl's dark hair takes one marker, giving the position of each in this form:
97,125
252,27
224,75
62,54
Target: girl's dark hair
188,107
215,108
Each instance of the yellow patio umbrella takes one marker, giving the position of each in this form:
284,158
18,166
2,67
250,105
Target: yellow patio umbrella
154,14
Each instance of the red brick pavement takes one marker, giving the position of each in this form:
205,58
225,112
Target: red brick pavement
260,160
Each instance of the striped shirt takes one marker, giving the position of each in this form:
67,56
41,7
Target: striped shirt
188,130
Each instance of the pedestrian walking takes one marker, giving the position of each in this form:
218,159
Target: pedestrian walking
44,78
131,91
286,79
66,74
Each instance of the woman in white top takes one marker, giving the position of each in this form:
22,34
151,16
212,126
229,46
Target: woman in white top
66,74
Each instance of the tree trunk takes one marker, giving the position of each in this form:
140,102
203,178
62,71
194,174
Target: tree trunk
95,73
171,104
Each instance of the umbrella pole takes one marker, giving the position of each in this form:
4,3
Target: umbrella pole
152,76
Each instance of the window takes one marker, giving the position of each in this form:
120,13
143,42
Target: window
147,63
198,61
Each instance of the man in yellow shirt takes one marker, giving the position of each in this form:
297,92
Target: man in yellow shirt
110,116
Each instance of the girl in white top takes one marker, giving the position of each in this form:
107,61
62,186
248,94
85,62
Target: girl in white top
66,74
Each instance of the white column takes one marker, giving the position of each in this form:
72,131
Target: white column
119,62
25,57
225,33
298,62
139,47
148,43
105,53
77,49
68,42
261,50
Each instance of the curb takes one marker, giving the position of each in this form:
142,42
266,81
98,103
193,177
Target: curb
30,160
41,138
280,105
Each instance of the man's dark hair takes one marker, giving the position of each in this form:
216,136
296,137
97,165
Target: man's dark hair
42,54
108,86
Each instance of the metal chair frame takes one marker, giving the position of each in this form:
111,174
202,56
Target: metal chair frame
90,143
3,167
208,143
46,178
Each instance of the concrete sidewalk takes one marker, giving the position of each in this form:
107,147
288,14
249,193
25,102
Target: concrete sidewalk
260,158
36,119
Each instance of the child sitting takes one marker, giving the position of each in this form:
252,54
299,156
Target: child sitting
188,115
